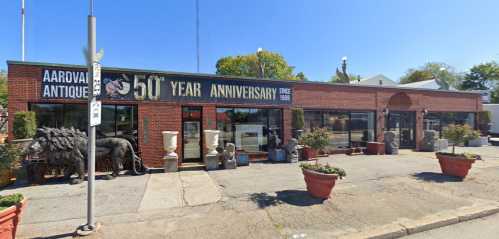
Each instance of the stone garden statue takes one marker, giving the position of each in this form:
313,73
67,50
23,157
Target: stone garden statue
274,140
291,148
429,141
391,145
66,149
229,156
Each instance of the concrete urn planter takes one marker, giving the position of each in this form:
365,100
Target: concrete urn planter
9,219
211,140
454,165
319,185
170,145
211,159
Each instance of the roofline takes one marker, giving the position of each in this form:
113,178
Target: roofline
204,75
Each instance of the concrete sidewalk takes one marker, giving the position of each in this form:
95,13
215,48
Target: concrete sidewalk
382,195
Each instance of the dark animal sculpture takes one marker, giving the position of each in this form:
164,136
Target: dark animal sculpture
66,149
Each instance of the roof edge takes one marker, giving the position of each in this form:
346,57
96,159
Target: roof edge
205,75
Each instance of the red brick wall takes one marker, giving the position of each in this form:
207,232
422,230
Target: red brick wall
25,81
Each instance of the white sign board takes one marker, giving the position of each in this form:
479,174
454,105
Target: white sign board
95,113
97,72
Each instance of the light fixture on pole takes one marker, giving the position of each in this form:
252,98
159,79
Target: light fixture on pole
261,65
23,11
94,116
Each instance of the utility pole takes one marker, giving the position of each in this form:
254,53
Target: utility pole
94,111
22,29
197,35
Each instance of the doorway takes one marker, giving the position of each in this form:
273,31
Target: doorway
403,124
191,134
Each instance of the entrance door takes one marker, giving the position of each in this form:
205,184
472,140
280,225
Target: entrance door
191,134
403,124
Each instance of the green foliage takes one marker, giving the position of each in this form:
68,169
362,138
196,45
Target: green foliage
458,134
24,124
9,156
298,118
10,200
336,79
484,119
3,89
445,74
326,169
317,139
481,77
274,66
301,76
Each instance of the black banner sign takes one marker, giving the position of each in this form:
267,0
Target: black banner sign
64,84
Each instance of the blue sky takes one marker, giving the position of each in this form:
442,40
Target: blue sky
377,36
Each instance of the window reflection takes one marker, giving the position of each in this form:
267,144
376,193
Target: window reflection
248,128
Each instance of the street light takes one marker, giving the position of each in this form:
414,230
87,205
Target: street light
261,64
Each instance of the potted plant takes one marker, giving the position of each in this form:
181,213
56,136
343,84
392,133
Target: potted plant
320,178
11,207
456,164
298,122
473,139
9,155
315,140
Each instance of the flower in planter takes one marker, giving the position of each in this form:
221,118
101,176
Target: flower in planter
317,139
459,134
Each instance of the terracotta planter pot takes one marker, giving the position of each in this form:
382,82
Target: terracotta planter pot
9,218
319,185
309,153
457,166
375,148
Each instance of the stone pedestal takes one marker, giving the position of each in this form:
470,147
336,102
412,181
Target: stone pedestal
171,164
170,145
211,161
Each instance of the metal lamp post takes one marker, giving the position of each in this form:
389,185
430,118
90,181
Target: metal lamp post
261,64
94,111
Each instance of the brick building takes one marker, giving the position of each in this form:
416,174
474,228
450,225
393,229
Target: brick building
140,104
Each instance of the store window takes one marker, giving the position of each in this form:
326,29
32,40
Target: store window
116,121
347,129
439,120
248,128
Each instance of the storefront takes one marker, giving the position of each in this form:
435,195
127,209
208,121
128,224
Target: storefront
140,104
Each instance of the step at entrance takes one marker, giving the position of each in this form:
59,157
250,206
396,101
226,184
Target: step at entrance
191,166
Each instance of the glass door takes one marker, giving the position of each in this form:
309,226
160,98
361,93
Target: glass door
191,134
403,124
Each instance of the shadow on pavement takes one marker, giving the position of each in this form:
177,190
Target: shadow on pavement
436,177
293,197
65,235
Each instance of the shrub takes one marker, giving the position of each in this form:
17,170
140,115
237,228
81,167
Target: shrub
326,169
9,155
24,124
10,200
458,134
316,139
298,118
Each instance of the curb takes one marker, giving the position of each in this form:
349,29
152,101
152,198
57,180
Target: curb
406,227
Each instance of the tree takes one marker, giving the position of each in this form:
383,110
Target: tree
336,79
3,89
269,64
301,76
481,77
445,75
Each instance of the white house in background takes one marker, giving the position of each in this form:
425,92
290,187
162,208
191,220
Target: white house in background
426,84
379,80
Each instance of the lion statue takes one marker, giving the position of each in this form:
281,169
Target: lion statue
66,149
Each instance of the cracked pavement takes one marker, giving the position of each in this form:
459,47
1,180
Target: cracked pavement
262,200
